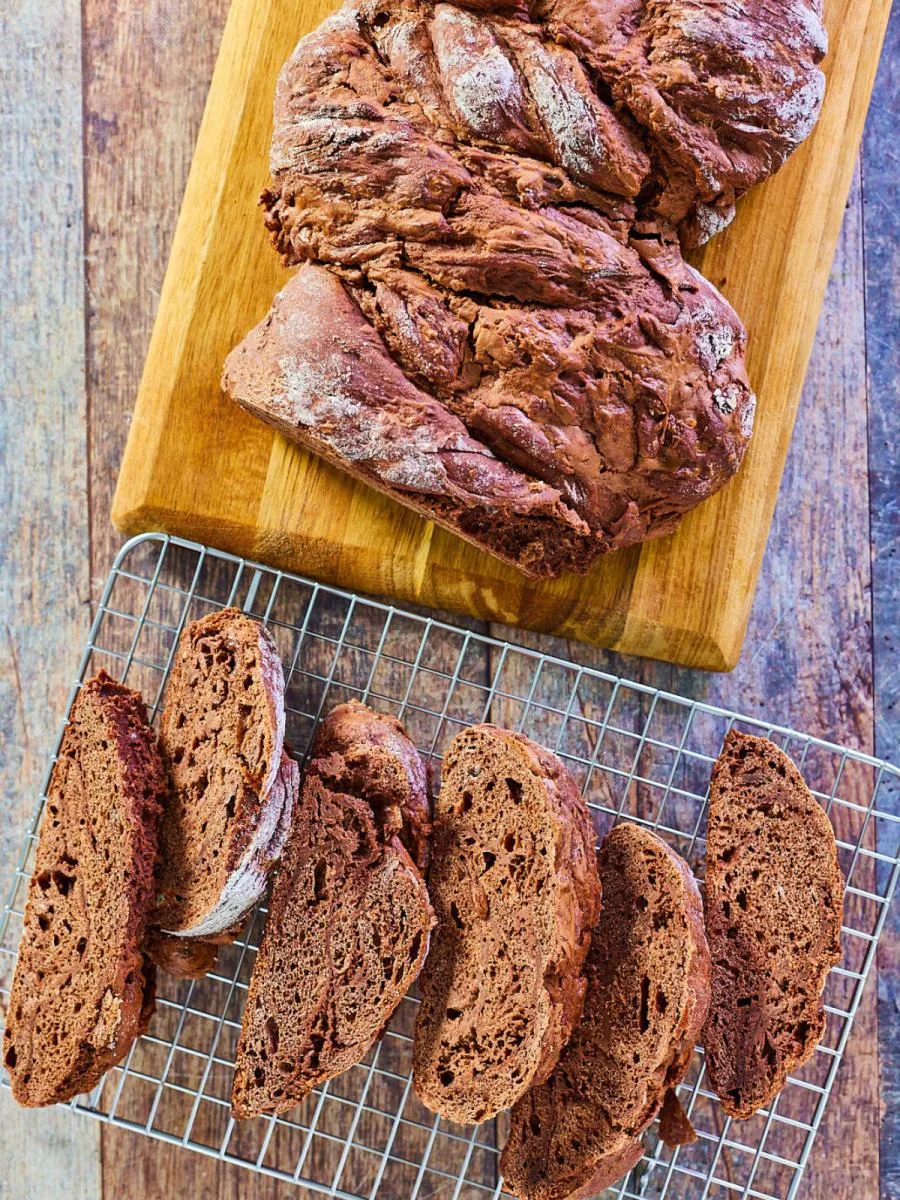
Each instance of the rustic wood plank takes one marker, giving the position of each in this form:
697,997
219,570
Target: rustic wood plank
684,598
881,213
147,70
807,661
44,592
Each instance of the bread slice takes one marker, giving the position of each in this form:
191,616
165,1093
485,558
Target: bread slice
234,788
647,995
774,899
82,989
515,889
349,919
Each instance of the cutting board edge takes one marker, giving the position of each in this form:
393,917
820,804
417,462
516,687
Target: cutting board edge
715,649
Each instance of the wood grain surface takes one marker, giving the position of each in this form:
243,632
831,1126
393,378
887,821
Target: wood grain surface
821,645
44,546
198,466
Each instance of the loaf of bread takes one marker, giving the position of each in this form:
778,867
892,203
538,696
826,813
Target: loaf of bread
83,990
648,975
233,787
494,323
349,918
774,901
515,890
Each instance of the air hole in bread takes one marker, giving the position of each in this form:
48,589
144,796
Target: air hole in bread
320,878
64,883
515,790
271,1028
645,1005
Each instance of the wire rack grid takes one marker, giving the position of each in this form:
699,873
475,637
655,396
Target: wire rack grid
637,753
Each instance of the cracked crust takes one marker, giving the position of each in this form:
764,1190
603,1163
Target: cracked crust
515,890
543,374
580,1131
83,989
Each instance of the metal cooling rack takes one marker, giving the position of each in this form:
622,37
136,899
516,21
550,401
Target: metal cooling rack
637,753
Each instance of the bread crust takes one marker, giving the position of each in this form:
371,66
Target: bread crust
774,900
83,989
515,891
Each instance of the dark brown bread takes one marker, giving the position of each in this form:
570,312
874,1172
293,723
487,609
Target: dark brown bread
721,94
774,899
349,919
515,889
82,990
489,326
376,759
234,789
647,995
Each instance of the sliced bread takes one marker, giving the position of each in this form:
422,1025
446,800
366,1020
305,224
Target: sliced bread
774,899
515,889
647,995
349,918
233,787
82,989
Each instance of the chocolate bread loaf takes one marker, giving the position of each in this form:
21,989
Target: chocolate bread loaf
349,919
647,995
774,898
83,989
515,890
495,324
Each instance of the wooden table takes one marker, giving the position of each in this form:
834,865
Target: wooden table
100,106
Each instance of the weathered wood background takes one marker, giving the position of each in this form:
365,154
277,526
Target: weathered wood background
99,107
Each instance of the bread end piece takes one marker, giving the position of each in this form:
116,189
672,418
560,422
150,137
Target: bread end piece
347,892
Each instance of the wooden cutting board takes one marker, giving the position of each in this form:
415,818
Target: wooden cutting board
195,465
